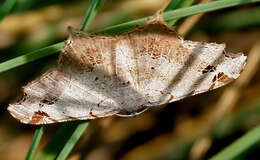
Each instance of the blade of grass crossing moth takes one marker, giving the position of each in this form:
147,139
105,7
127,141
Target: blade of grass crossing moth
170,15
78,131
205,7
122,27
174,4
238,148
6,8
35,142
30,57
91,13
68,135
179,13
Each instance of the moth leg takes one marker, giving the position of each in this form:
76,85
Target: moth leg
132,114
158,19
159,16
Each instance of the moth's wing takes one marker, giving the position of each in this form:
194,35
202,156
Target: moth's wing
82,87
92,80
211,67
152,51
58,97
170,68
105,63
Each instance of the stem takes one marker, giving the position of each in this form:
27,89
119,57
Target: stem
240,146
91,13
35,142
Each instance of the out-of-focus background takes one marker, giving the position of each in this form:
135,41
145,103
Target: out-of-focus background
193,128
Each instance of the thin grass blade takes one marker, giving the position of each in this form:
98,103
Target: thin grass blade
182,4
67,133
179,13
30,57
91,13
79,130
240,146
35,142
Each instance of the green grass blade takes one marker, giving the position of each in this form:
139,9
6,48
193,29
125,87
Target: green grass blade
35,142
6,8
180,13
240,146
183,4
122,27
67,136
170,15
30,57
206,7
79,130
91,13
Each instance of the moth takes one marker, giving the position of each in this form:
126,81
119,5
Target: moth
125,74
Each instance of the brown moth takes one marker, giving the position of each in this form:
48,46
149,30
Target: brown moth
100,76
